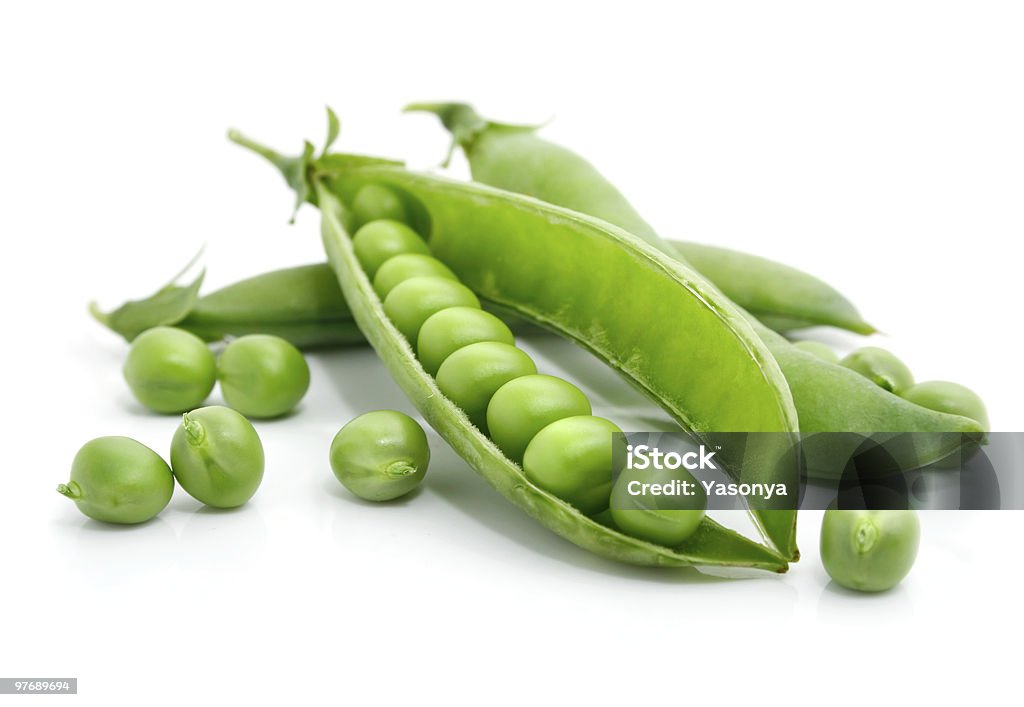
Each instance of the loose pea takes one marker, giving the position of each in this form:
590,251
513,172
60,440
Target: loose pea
869,551
262,376
661,519
378,241
374,202
471,375
880,367
408,265
119,480
412,302
217,457
380,455
572,459
448,330
524,406
951,398
170,370
818,349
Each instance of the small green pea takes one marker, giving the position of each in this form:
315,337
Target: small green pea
262,376
951,398
524,406
448,330
408,265
816,348
663,519
881,367
170,370
217,457
471,375
572,459
869,551
380,455
412,302
119,480
378,241
374,202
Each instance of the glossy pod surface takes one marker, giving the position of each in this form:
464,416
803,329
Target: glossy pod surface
711,544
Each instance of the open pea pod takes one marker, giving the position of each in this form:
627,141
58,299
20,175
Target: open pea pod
711,545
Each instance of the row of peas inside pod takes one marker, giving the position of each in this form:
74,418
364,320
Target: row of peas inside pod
542,422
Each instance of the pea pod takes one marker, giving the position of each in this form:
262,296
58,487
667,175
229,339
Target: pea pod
778,294
515,251
828,397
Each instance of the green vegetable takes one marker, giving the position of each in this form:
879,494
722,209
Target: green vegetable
380,455
816,348
472,375
377,241
413,302
524,406
881,367
406,266
951,398
829,398
217,457
262,376
660,518
170,370
869,551
700,330
119,480
374,203
448,330
514,158
572,459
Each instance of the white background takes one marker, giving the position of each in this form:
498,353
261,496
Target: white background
878,145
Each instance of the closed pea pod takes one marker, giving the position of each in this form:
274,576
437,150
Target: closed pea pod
524,406
380,455
403,267
262,376
377,241
816,348
217,457
881,367
572,459
448,330
170,370
472,375
412,302
118,480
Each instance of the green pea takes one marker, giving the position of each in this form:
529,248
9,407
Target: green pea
408,265
448,330
472,375
663,519
170,370
816,348
217,457
951,398
869,551
881,368
412,302
119,480
378,241
572,459
262,376
380,455
524,406
375,202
